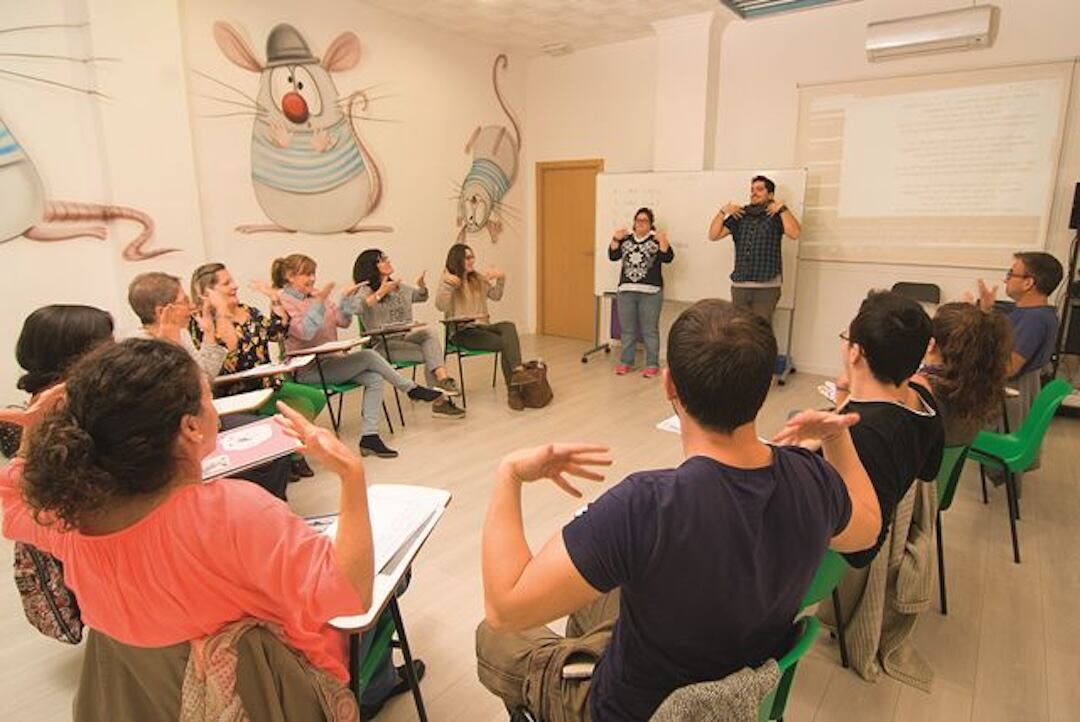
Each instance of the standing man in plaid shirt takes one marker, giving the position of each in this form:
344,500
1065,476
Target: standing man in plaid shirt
756,230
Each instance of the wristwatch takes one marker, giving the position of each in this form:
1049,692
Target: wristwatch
781,209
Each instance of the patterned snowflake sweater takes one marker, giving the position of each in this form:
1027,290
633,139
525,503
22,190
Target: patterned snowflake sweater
641,259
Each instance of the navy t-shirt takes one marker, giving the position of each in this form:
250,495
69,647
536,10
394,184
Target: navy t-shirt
1034,334
712,563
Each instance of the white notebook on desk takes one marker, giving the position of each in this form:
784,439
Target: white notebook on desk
398,513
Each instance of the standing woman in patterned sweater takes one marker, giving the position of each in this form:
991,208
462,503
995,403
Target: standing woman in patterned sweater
641,288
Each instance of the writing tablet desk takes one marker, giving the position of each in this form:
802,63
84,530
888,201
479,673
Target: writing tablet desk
383,597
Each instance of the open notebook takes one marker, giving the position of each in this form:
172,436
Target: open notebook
399,513
247,446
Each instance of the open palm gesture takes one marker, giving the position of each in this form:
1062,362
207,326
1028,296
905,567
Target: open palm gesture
557,462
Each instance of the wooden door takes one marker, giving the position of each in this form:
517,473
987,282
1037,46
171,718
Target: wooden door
566,232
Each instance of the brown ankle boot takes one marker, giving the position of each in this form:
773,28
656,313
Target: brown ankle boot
513,398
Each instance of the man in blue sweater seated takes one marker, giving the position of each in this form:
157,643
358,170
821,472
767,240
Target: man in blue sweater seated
673,576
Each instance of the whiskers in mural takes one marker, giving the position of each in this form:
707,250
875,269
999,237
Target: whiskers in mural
310,169
25,210
494,168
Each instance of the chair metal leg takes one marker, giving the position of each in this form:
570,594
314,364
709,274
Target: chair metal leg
982,478
941,568
461,380
1010,492
397,400
355,663
410,671
840,628
495,370
386,413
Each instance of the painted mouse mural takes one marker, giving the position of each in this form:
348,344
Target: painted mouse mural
25,210
310,169
493,170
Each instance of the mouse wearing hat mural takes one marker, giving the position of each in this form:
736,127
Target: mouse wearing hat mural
310,169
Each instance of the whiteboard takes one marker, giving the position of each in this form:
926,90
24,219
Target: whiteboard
684,203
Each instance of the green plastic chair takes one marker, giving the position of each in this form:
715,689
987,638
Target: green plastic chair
774,704
1013,453
824,584
398,365
452,348
361,670
307,400
952,463
329,391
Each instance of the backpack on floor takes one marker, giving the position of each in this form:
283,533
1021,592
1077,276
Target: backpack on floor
534,387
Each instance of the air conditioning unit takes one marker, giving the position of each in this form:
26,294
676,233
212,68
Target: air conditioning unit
964,29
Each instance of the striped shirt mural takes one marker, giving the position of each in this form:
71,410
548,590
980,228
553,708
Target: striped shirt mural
10,150
299,168
489,176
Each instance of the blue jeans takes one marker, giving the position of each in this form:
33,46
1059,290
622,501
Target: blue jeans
640,308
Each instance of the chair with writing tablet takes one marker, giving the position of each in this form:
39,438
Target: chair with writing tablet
450,326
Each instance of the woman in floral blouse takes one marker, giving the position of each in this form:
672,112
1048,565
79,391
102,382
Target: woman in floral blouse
254,332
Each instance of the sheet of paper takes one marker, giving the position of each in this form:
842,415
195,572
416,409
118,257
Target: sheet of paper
248,401
395,519
262,370
670,424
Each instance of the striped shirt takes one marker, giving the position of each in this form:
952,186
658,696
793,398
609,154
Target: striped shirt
489,176
299,167
10,150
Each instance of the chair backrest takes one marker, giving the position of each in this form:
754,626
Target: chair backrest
921,292
952,463
1038,418
772,707
828,575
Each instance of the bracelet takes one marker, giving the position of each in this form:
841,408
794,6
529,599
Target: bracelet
781,209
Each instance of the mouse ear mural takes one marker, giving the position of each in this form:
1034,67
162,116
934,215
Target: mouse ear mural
26,211
494,167
310,169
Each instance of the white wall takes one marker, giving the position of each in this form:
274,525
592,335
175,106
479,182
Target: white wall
762,63
761,66
131,149
435,89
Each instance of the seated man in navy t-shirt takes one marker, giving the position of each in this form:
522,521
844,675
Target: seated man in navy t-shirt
710,560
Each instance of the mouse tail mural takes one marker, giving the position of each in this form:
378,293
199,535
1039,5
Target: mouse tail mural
60,212
495,150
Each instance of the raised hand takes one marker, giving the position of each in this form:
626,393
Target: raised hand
421,282
323,293
317,442
494,274
265,289
733,209
619,234
773,208
556,462
986,295
812,425
450,279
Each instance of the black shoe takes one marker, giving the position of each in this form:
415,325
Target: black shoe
423,393
368,711
300,467
372,444
447,410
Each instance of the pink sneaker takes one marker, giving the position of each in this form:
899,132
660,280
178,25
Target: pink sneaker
650,372
622,370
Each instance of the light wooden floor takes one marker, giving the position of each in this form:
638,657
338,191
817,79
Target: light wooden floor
1009,649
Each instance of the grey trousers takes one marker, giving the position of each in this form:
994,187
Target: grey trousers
365,367
761,301
420,345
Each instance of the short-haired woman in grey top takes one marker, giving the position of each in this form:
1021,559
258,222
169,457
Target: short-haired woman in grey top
388,302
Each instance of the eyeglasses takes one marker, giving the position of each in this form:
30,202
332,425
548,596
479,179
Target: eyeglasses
470,257
1010,273
641,220
844,336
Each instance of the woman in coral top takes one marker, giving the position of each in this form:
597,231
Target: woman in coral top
111,485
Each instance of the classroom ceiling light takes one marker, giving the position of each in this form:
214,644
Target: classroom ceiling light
749,9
